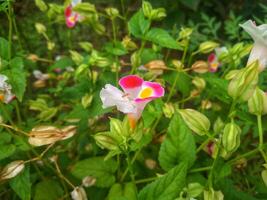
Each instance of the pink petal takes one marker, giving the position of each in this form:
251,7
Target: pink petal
131,85
150,91
68,11
211,57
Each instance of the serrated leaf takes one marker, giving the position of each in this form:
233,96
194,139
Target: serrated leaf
179,145
48,190
21,184
96,167
7,150
119,191
138,25
167,187
162,38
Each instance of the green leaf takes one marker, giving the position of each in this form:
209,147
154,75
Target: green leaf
138,25
162,38
179,145
48,190
3,48
119,191
96,167
17,77
167,187
6,151
115,48
21,184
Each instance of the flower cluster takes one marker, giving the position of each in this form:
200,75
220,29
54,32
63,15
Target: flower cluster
72,17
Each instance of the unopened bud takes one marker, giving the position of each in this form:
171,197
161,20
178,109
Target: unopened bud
257,104
195,120
128,43
230,75
206,104
41,5
104,140
40,28
207,47
178,64
200,67
79,194
243,85
231,137
32,57
212,148
168,110
50,45
87,46
39,84
99,28
158,14
218,125
185,33
112,12
76,57
87,100
147,9
213,195
199,83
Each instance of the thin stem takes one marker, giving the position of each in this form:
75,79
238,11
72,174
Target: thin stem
261,138
173,87
14,129
146,180
10,31
143,43
201,169
62,176
18,112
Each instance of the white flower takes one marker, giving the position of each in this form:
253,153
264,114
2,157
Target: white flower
5,90
259,35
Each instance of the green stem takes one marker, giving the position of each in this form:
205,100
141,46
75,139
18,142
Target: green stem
261,138
130,167
10,31
18,112
139,55
201,169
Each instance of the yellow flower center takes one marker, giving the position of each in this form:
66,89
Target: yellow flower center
2,97
147,92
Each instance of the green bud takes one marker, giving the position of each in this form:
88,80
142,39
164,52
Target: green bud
41,5
81,70
218,125
194,189
195,120
199,83
168,110
50,45
87,100
128,43
257,104
116,127
102,62
105,140
213,195
178,64
40,28
231,137
185,33
87,46
135,59
112,12
158,14
147,9
99,28
76,57
208,46
243,85
230,75
85,8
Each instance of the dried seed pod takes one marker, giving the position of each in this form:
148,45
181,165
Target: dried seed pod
12,169
79,194
200,67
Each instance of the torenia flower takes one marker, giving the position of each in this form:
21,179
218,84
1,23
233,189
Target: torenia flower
259,35
72,17
213,59
137,93
6,95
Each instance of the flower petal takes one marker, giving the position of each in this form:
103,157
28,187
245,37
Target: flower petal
131,85
112,96
149,91
75,2
68,11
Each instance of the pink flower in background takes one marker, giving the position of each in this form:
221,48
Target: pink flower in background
6,95
259,35
134,97
72,17
213,59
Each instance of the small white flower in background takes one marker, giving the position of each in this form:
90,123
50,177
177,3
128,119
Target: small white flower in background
259,35
137,93
79,194
6,95
40,75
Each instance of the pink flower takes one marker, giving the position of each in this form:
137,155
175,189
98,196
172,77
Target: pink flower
132,101
72,17
213,60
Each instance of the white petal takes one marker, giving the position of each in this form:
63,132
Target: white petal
3,80
75,2
112,96
258,52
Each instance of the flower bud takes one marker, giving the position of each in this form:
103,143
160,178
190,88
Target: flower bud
218,125
231,137
79,194
168,110
200,67
87,46
128,43
39,84
99,28
12,169
230,75
40,28
50,45
257,104
158,14
76,57
213,195
243,85
195,120
81,70
32,57
178,64
41,5
112,12
185,33
207,47
206,104
199,83
147,9
212,148
135,59
155,64
104,140
87,100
